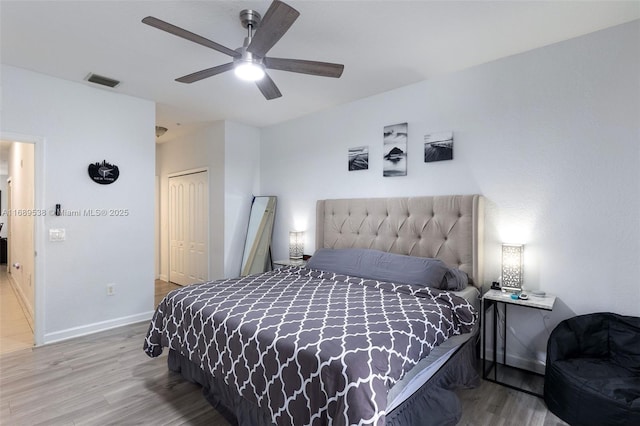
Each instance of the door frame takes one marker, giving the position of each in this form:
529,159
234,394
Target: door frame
9,207
39,143
168,237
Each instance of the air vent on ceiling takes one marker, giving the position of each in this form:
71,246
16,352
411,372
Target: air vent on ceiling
104,81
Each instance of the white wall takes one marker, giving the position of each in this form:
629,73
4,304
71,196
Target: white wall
74,125
241,183
203,148
551,139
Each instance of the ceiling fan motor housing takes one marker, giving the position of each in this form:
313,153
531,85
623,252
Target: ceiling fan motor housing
246,55
250,17
248,66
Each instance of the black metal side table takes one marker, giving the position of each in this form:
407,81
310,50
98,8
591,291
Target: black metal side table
492,299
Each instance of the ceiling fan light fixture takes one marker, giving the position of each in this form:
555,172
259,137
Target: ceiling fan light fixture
249,71
160,131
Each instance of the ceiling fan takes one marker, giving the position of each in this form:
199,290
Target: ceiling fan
249,61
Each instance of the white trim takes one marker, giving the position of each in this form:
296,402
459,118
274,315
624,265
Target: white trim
188,172
157,228
22,300
96,327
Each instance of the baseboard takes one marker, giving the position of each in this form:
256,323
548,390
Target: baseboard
22,300
96,327
519,362
163,277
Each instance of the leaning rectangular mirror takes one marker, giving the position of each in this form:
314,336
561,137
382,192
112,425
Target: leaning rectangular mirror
257,248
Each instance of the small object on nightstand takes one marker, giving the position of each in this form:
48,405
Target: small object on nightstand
538,293
523,296
514,296
495,285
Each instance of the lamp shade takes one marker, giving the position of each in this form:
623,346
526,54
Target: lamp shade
512,265
296,244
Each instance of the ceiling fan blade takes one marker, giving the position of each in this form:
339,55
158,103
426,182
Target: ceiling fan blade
268,88
324,69
188,35
209,72
277,21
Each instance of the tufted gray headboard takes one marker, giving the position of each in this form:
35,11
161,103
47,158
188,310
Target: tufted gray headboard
449,228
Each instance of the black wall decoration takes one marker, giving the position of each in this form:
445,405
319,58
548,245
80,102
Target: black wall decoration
438,146
394,161
103,173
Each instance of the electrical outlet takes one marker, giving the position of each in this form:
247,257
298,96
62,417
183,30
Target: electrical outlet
111,289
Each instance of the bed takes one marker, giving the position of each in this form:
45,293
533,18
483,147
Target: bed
378,328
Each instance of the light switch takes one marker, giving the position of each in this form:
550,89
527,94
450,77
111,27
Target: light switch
57,234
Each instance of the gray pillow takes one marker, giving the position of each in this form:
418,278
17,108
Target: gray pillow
455,280
381,266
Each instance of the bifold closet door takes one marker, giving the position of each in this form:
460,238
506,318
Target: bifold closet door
189,228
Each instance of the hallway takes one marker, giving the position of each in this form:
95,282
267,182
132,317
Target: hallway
15,331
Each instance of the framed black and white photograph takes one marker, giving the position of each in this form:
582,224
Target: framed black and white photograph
359,158
438,146
395,150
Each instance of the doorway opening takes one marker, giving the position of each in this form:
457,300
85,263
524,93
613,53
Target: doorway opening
17,245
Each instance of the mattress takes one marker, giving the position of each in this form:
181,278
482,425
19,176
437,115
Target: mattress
428,366
248,331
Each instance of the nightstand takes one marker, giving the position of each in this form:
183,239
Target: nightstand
493,298
288,262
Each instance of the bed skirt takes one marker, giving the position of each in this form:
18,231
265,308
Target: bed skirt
435,403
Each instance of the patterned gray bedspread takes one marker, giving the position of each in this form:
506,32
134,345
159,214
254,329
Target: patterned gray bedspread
309,347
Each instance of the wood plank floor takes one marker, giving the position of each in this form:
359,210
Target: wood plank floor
106,379
102,379
491,404
15,330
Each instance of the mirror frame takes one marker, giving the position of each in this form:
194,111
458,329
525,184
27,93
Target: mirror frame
256,257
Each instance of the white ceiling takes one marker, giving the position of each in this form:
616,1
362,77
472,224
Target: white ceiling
383,45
